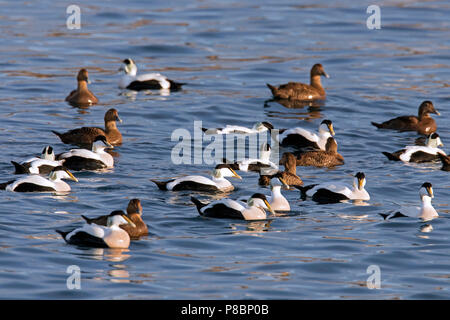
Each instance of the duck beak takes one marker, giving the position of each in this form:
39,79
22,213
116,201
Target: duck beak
330,127
88,81
235,175
325,75
118,119
360,183
109,145
430,192
72,177
269,207
437,112
284,183
131,223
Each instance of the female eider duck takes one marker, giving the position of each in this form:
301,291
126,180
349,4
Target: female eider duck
134,213
37,183
333,192
425,212
149,81
423,123
217,183
42,165
82,96
85,136
419,154
289,174
254,209
302,138
318,158
301,91
96,236
94,159
231,129
262,163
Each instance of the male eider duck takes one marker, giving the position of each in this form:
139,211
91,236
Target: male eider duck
254,209
42,165
445,162
289,174
419,154
134,213
332,192
149,81
96,236
231,129
425,212
262,163
82,96
217,183
94,159
37,183
318,158
85,136
301,91
423,123
302,138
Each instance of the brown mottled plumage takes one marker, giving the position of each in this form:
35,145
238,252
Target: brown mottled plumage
301,91
319,158
289,175
82,96
134,213
85,136
423,123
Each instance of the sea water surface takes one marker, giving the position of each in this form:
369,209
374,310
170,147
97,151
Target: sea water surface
226,52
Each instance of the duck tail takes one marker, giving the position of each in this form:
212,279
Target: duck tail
378,125
88,220
20,169
58,134
272,88
63,233
198,204
162,185
391,156
5,184
176,85
304,189
445,159
387,216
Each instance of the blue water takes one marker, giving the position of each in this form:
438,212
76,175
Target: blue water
226,53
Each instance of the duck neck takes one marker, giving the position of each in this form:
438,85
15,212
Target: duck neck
276,192
110,125
426,201
82,86
291,168
315,82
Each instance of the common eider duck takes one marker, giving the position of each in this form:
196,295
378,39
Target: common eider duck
42,165
419,154
96,236
301,91
149,81
82,96
423,123
318,158
302,138
134,213
94,159
254,209
37,183
445,162
85,136
333,192
231,129
289,174
217,183
425,212
257,165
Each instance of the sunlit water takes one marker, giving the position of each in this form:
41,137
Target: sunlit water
226,53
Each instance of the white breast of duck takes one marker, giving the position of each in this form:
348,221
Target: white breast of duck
97,153
39,183
427,212
432,144
276,200
326,131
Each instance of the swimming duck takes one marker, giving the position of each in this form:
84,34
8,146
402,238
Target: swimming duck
301,91
445,162
262,163
231,129
37,183
332,192
82,96
419,154
289,174
423,123
318,158
254,209
96,236
302,138
217,183
85,136
425,212
134,213
42,165
145,81
94,159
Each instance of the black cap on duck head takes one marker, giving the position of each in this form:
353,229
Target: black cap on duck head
83,75
128,61
222,166
259,196
434,135
360,175
317,70
268,125
117,213
100,138
426,185
427,107
47,150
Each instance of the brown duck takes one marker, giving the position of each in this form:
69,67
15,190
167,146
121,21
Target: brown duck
85,136
445,162
134,213
423,123
82,96
302,91
319,158
289,175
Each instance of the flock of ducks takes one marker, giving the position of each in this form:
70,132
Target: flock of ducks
308,149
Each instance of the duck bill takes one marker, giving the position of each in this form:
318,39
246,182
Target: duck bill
269,207
131,223
118,119
235,175
330,127
72,177
430,192
437,112
284,183
325,75
360,184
